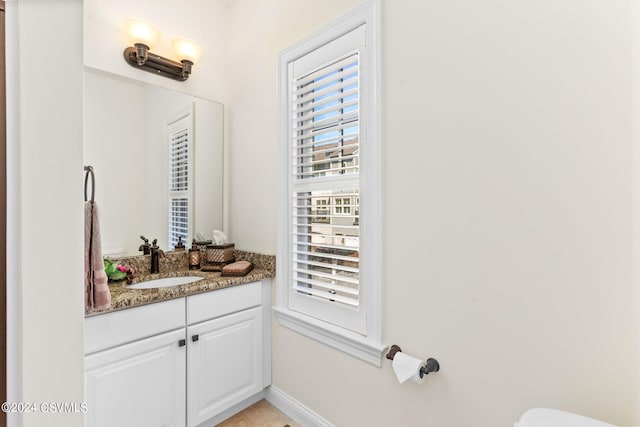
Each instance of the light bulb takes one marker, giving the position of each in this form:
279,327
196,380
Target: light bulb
187,50
141,32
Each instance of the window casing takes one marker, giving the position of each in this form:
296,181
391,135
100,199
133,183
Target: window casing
330,222
179,143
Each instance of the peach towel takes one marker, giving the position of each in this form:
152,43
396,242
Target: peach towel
240,268
96,287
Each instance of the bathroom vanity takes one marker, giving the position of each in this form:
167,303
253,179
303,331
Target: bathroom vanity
195,356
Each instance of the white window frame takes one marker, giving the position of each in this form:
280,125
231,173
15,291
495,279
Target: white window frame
366,345
184,117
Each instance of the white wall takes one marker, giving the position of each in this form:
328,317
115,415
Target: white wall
115,131
200,20
507,135
45,181
635,71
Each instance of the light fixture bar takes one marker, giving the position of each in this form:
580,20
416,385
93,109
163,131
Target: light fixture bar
157,64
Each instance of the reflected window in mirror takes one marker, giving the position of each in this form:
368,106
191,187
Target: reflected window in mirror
179,141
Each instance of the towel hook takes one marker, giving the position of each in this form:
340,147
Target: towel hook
89,171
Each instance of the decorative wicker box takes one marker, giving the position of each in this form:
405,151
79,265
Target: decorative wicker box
217,256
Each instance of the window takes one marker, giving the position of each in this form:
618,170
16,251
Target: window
179,136
343,207
322,210
330,286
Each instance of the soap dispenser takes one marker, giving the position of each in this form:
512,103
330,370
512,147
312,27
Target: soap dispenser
194,256
179,246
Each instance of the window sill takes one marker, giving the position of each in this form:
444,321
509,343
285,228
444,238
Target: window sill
346,341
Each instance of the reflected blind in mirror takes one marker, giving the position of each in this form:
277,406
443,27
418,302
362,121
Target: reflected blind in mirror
180,170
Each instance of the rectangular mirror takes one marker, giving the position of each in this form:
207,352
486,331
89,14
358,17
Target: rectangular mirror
158,161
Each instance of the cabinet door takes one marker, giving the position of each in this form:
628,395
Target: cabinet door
139,384
224,363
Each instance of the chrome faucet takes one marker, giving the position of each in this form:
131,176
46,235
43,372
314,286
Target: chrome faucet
156,254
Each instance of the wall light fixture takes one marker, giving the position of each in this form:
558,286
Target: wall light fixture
143,36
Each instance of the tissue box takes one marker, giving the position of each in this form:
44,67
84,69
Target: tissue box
202,245
217,256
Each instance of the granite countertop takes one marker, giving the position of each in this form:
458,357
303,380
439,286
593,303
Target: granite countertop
123,297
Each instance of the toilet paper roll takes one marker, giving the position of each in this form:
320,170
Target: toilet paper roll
407,368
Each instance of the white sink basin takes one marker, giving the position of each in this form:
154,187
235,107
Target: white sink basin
543,417
166,282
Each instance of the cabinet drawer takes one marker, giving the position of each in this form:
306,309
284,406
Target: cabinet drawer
223,301
124,326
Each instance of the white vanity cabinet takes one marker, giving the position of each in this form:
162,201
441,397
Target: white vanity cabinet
225,354
225,363
178,363
138,384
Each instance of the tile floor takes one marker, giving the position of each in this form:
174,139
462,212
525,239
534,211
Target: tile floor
260,414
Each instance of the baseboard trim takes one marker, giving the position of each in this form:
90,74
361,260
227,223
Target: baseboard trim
233,410
294,409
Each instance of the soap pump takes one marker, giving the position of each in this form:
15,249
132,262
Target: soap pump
179,246
194,256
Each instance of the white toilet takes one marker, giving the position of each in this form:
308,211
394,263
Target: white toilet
542,417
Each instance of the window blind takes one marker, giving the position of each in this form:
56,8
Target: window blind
179,220
325,166
179,160
179,152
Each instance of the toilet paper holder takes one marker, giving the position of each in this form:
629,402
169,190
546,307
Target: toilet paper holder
432,365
